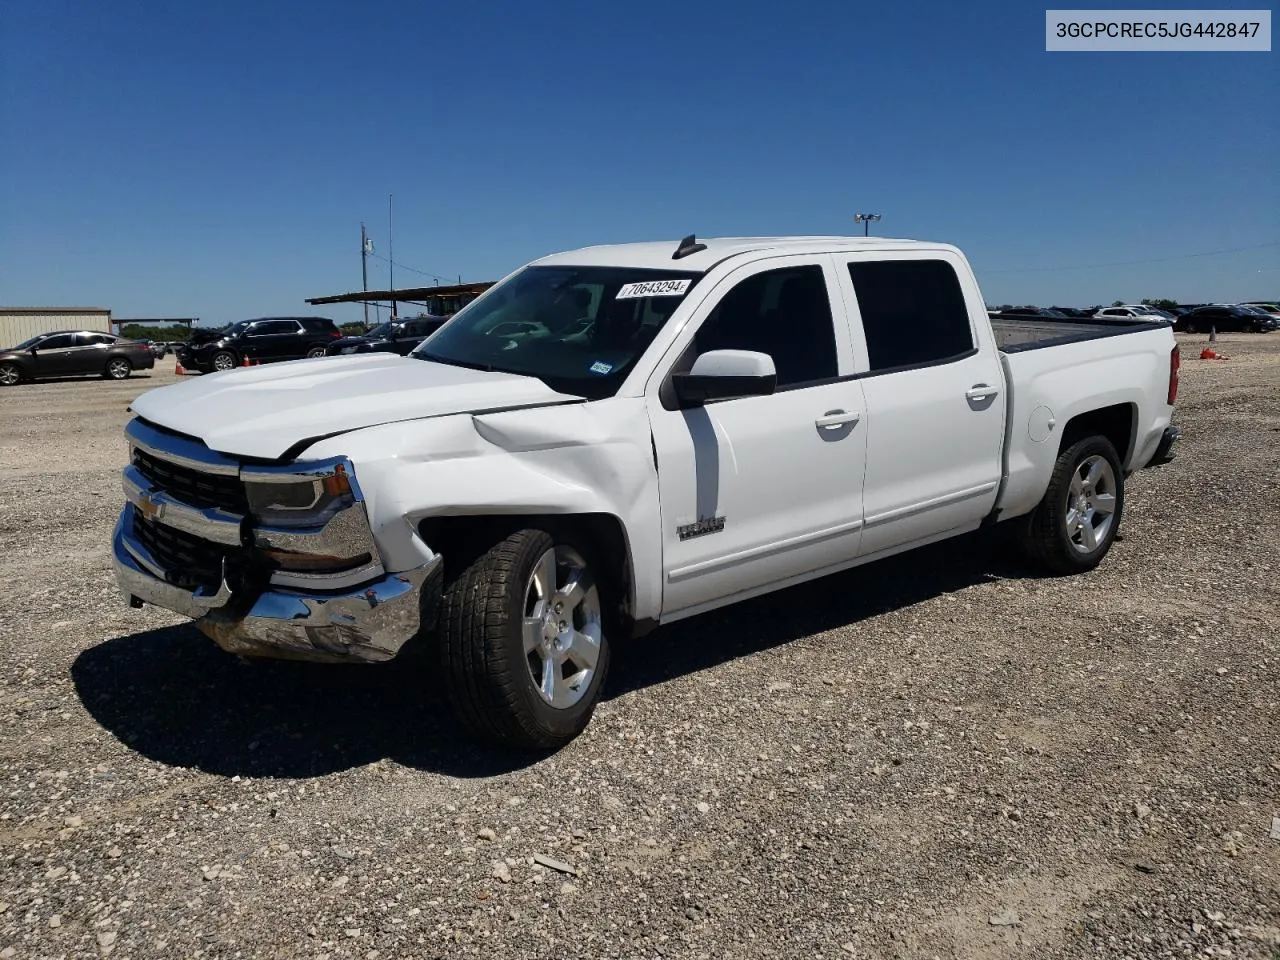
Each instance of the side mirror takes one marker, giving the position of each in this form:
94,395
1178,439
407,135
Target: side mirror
722,374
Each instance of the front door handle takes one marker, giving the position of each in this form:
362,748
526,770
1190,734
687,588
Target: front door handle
836,418
980,391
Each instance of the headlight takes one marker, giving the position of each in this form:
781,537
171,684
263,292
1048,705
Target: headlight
294,501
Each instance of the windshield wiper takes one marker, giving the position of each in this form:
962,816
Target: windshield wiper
453,363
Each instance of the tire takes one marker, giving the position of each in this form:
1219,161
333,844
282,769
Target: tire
118,368
222,360
10,375
1060,536
315,352
489,669
1190,328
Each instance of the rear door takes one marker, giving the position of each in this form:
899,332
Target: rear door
757,490
933,385
88,352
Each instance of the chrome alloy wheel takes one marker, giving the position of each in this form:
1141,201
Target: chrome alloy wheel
562,627
118,369
224,361
10,375
1091,504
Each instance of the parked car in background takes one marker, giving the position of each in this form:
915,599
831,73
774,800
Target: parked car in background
1048,313
1134,311
1224,318
73,353
1270,309
398,336
1076,313
265,340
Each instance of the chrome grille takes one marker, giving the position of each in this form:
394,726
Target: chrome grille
192,486
188,561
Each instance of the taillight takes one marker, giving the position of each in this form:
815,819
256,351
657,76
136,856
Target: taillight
1175,364
335,335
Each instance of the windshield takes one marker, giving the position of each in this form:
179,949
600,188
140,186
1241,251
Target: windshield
577,329
28,344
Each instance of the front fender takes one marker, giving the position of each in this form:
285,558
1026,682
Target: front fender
589,458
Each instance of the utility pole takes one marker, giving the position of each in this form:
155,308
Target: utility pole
364,269
391,251
865,219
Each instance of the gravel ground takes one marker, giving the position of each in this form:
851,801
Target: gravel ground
936,756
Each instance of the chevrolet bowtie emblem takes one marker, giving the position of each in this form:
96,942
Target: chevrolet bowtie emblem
149,508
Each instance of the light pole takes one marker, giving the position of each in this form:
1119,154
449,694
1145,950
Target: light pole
865,219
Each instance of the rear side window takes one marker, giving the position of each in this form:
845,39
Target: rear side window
317,325
913,312
270,327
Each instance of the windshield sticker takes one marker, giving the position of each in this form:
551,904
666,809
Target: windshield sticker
654,288
601,367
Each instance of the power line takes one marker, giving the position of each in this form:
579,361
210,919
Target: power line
426,273
1131,263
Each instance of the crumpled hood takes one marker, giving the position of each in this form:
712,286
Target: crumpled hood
263,411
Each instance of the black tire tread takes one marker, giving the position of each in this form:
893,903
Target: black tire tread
1041,538
486,685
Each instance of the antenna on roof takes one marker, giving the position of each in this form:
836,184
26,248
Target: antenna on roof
688,246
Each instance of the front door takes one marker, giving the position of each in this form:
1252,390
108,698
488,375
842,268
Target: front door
269,340
757,490
934,398
55,356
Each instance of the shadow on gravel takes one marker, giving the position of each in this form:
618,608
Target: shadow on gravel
174,697
743,629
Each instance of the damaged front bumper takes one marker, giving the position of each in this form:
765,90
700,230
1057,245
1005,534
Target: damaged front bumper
366,623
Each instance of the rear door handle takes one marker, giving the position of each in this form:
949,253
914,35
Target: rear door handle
980,391
836,418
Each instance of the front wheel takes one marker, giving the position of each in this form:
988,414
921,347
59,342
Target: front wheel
522,641
118,369
223,360
1075,524
10,375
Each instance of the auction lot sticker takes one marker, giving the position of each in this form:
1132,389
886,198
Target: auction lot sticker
1179,31
654,288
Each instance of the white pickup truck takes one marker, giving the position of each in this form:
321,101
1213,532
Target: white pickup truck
623,436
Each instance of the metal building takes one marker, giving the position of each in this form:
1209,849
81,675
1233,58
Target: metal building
22,323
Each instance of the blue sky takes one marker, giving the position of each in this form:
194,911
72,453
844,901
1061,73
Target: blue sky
216,160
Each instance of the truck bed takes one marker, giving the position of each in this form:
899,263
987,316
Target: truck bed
1015,334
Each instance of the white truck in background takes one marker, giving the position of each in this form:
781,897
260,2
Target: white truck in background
623,436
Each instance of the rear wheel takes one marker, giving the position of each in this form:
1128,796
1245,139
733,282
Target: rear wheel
10,375
315,352
223,360
522,641
118,368
1074,526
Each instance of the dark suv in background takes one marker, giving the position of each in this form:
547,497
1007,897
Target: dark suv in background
394,336
264,340
1223,318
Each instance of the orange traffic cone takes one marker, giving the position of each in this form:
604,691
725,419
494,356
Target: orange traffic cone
179,369
244,361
